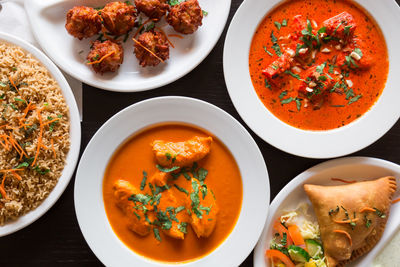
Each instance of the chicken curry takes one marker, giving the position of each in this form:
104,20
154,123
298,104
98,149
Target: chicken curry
174,190
318,64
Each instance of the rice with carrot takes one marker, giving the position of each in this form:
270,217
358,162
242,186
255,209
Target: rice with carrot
34,132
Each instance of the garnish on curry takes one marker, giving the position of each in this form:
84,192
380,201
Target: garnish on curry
318,65
175,190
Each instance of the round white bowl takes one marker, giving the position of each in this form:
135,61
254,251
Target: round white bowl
75,139
89,203
352,168
312,144
48,24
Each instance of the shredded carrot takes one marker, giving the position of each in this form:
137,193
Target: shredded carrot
52,148
3,192
346,234
141,27
51,121
11,170
101,59
367,209
396,200
176,35
346,221
39,140
148,50
16,175
12,83
172,45
343,181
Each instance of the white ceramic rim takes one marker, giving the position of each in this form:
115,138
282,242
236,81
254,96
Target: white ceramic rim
75,138
309,174
88,196
312,144
130,87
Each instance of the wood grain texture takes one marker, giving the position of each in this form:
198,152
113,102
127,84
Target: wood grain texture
55,239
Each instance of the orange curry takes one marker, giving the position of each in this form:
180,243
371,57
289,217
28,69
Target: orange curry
172,193
318,64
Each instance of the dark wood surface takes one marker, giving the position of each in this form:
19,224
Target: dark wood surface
56,240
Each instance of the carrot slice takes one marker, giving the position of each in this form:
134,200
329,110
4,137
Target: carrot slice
295,235
396,200
346,234
367,209
273,253
281,229
346,221
101,59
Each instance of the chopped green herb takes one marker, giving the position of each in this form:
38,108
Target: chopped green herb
266,50
287,100
267,85
205,13
358,51
137,215
181,189
23,164
380,213
179,209
298,103
143,183
347,29
284,239
166,169
368,222
182,227
320,68
284,23
277,49
283,94
202,174
273,38
331,211
293,74
41,171
174,2
354,99
277,25
206,209
156,233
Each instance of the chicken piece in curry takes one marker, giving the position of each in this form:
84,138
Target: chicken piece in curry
181,154
123,191
160,205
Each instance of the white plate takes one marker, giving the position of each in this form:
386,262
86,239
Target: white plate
354,168
75,139
89,204
48,24
313,144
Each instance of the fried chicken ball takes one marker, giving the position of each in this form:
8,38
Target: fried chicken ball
185,17
118,17
154,9
83,22
105,56
157,43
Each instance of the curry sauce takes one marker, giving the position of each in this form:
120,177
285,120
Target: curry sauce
318,65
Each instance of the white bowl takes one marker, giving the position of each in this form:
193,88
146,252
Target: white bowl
313,144
48,24
353,168
75,139
89,204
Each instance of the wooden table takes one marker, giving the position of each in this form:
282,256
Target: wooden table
55,239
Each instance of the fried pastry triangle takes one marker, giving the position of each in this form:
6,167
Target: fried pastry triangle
351,217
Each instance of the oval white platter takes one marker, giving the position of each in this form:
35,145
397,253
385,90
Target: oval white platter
48,24
351,168
75,138
89,179
312,144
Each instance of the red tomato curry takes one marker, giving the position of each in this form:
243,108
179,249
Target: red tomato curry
172,193
318,64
